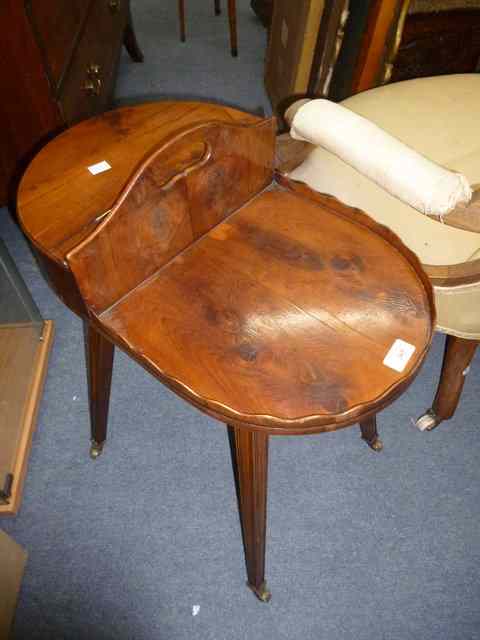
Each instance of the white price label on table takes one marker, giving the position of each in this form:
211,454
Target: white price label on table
398,355
99,167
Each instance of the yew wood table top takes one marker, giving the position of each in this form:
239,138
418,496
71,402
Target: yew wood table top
264,304
261,303
279,317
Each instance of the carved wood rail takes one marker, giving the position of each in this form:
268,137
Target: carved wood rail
182,189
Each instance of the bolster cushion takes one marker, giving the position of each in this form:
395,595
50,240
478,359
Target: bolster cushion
391,164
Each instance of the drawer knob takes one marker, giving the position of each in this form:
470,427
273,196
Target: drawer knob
94,71
93,87
114,5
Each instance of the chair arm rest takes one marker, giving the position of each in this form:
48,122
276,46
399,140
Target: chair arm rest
453,275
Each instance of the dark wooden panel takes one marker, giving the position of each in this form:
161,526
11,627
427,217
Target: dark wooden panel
56,216
218,168
240,165
57,25
25,96
264,10
62,282
438,43
88,87
383,15
39,56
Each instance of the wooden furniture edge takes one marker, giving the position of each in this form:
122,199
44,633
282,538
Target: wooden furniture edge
454,275
294,152
103,216
104,219
372,56
273,424
29,420
335,205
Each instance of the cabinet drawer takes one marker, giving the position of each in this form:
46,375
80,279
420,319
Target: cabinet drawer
88,86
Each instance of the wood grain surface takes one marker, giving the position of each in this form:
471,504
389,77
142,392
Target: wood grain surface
59,66
291,153
439,42
277,314
262,303
53,207
180,192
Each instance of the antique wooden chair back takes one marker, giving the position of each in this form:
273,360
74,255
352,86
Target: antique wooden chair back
180,191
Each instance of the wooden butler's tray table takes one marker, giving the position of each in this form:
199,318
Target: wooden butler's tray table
265,305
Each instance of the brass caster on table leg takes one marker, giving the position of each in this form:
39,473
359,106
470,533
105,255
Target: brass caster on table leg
261,592
96,449
428,421
375,445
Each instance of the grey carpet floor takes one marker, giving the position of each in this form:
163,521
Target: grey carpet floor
361,546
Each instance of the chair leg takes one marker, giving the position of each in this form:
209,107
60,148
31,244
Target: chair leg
456,360
181,17
130,40
249,451
232,19
368,429
218,9
99,358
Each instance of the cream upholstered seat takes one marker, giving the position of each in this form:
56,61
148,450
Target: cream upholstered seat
438,117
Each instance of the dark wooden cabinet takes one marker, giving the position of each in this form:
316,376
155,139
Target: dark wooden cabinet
59,65
392,40
264,10
436,43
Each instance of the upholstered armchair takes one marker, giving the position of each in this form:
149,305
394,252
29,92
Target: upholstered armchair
437,117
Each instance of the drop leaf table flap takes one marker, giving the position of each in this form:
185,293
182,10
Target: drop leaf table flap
270,307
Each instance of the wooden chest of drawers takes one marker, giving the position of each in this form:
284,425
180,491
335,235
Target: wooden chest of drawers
59,65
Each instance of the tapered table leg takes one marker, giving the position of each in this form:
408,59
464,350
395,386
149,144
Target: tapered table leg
99,358
130,41
368,429
217,8
250,466
456,360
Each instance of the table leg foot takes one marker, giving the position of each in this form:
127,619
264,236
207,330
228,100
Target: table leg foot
457,357
99,357
96,449
376,445
261,592
369,433
428,421
249,451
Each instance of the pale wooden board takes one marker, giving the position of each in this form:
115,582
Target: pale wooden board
23,365
12,563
